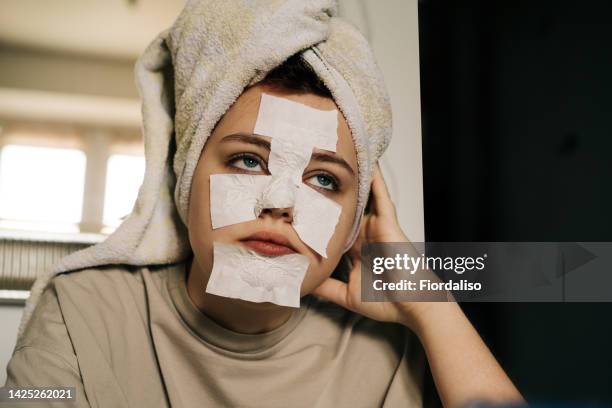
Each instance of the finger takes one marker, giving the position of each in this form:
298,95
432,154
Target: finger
380,193
378,183
333,290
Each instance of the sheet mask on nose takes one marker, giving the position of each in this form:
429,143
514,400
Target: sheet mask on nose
295,130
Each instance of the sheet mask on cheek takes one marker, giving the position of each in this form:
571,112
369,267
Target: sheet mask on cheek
295,130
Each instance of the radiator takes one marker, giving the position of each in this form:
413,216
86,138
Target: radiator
24,256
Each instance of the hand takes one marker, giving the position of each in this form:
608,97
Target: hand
380,225
463,373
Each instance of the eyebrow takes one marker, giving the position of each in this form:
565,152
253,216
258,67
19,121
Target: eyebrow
258,141
329,158
247,138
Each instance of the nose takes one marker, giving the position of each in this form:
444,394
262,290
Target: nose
285,213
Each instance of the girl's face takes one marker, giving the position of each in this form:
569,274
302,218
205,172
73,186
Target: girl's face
232,148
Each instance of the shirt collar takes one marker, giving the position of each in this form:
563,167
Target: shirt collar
213,333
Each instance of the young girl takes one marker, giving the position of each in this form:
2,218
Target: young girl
134,321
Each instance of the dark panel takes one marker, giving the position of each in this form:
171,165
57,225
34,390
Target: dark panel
517,130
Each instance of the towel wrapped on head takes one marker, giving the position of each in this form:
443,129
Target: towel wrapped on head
192,73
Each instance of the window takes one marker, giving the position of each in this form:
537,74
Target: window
41,187
68,179
124,174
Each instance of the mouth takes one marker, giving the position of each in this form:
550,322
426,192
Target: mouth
269,244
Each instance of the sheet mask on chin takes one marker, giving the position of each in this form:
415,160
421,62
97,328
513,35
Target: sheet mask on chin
295,130
241,273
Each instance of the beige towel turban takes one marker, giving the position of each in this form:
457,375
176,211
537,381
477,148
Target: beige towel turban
192,73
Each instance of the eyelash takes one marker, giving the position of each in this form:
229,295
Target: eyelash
333,180
243,156
232,160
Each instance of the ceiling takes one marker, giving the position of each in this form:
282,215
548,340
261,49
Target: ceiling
106,28
119,29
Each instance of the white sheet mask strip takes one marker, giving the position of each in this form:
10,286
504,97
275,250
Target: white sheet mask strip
285,119
289,157
315,218
240,273
286,163
234,197
279,193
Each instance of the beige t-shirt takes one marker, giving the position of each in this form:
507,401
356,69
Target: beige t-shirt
131,337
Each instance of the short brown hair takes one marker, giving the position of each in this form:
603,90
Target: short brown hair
295,74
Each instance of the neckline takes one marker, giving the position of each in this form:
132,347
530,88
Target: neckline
213,333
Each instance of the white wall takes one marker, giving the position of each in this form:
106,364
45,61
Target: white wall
391,26
394,36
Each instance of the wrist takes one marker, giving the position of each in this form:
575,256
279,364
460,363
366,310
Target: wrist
391,235
423,317
397,235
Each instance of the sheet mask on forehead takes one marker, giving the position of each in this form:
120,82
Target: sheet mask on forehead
295,130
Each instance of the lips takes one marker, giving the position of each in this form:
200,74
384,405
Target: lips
269,244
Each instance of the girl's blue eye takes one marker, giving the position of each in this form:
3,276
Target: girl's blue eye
247,163
323,181
250,163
